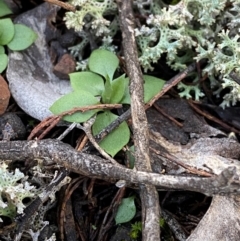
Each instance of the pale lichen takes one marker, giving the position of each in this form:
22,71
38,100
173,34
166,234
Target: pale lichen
14,188
17,191
182,33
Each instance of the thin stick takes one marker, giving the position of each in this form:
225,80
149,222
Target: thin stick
64,5
90,107
167,116
172,82
87,129
70,128
213,118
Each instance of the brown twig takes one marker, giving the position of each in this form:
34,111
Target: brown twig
68,192
188,168
52,121
87,129
90,107
148,193
172,82
166,115
64,5
47,123
213,118
105,226
82,143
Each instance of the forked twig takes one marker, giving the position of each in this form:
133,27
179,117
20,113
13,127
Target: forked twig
87,129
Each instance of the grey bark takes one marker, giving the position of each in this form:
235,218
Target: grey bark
148,193
63,154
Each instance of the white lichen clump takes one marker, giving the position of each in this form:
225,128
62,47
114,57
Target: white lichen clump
18,191
190,30
93,10
13,191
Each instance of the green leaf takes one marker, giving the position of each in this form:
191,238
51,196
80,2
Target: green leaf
152,86
3,62
115,140
107,93
118,89
87,81
6,31
126,97
103,62
4,9
2,50
69,101
23,38
126,210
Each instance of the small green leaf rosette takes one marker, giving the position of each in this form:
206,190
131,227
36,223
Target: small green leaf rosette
126,210
115,140
89,87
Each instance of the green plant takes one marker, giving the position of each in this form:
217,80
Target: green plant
16,36
126,210
136,230
98,86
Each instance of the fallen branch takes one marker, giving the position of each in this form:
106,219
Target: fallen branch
92,165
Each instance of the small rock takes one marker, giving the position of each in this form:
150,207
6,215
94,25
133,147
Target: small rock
11,127
4,95
65,66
